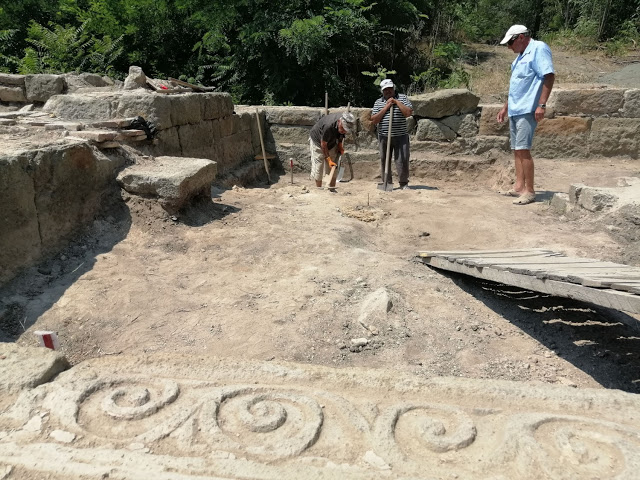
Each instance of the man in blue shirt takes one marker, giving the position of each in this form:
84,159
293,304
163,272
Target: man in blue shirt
532,78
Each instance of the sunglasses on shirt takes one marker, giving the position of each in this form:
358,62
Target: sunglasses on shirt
513,39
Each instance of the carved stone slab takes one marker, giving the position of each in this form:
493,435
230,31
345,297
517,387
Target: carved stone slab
197,417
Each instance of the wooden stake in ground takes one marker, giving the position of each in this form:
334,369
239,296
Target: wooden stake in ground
264,153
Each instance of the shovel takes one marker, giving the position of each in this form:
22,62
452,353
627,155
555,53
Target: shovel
387,187
341,162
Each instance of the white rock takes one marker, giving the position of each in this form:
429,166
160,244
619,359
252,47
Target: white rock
359,342
62,436
375,461
33,425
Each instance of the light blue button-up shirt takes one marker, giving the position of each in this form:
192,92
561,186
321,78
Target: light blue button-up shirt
527,77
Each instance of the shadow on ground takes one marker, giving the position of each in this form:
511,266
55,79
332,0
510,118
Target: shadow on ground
599,341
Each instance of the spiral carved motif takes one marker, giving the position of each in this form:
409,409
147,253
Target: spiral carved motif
262,422
128,402
408,430
574,447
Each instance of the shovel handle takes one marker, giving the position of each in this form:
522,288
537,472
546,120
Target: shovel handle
388,159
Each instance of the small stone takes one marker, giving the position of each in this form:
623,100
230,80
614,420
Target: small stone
458,328
62,436
359,342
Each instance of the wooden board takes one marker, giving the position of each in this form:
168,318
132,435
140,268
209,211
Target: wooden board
607,284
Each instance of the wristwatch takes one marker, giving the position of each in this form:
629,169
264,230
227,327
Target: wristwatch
542,105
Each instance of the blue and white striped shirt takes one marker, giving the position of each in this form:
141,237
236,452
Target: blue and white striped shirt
399,126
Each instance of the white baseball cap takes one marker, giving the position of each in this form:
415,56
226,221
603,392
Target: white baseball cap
513,30
386,83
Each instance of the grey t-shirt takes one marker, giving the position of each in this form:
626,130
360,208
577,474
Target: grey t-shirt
326,129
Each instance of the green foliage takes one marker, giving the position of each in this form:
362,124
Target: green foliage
379,75
8,62
62,49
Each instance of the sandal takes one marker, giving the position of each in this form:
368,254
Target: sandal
525,199
509,193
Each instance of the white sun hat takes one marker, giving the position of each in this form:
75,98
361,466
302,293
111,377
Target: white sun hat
514,30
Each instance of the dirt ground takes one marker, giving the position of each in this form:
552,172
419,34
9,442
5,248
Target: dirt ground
281,272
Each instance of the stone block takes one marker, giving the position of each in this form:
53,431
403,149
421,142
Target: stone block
631,103
185,109
588,101
289,134
236,149
168,142
433,130
75,82
12,94
11,79
488,125
596,199
615,137
562,137
96,135
484,143
41,87
293,115
560,203
153,107
215,105
196,140
462,125
365,140
246,121
70,183
173,180
25,367
444,103
87,106
19,232
135,79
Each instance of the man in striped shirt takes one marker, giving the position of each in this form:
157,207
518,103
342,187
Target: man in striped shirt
399,134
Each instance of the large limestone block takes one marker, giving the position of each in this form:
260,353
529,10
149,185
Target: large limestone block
215,105
70,184
433,130
293,115
153,107
23,368
588,101
236,149
615,137
562,137
288,134
85,81
173,180
86,106
41,87
485,143
11,79
46,196
12,94
488,125
444,103
631,105
463,125
168,142
196,140
203,417
186,109
19,232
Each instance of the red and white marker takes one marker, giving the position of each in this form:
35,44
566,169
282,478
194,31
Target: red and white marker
47,339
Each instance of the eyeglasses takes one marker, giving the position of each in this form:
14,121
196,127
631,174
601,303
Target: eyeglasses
513,39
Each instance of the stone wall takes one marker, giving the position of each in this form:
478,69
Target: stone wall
46,195
52,188
580,122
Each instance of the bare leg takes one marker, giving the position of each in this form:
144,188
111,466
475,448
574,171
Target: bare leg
524,171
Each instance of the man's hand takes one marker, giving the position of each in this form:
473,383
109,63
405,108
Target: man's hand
502,114
390,102
539,114
331,162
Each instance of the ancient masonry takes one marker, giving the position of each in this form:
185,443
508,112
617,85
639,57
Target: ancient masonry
198,417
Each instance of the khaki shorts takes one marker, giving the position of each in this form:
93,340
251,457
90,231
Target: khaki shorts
318,161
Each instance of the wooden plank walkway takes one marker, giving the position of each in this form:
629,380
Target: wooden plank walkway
611,285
